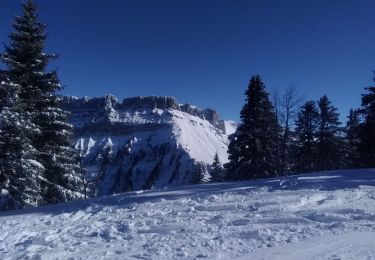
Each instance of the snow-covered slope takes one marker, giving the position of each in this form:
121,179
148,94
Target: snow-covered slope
144,142
327,215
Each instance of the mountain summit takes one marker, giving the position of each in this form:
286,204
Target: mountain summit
144,142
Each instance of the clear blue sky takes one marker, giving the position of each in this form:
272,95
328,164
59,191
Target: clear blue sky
205,51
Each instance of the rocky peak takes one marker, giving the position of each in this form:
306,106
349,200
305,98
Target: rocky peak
107,108
151,102
90,104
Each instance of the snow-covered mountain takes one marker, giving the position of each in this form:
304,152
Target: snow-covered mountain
326,215
144,142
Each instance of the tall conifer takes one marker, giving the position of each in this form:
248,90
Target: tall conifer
20,172
27,68
330,152
217,171
367,128
352,156
252,151
306,135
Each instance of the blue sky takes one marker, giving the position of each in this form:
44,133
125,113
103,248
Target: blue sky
204,52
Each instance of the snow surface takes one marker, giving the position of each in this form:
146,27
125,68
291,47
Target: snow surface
230,127
326,215
199,138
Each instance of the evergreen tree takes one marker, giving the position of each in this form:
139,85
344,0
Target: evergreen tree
217,171
20,172
367,128
352,140
27,67
197,174
305,143
330,152
234,154
252,152
4,91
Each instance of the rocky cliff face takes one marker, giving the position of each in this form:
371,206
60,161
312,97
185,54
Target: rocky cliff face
143,142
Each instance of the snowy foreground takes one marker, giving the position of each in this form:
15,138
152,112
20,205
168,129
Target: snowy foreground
329,215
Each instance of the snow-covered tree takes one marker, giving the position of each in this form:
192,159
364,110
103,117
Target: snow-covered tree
217,170
27,64
4,91
20,172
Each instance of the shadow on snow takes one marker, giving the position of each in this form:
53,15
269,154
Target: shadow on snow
324,181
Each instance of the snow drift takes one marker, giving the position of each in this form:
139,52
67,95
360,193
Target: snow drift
326,215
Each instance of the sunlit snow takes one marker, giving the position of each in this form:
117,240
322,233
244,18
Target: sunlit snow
327,215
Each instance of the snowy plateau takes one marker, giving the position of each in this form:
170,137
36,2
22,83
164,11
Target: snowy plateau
324,215
144,142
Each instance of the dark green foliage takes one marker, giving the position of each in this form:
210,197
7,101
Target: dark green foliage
4,91
197,173
20,172
329,150
352,141
37,102
319,143
367,128
217,171
252,151
306,131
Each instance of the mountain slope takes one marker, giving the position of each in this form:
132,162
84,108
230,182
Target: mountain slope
144,142
327,215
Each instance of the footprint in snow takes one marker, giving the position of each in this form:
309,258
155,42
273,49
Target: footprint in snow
240,222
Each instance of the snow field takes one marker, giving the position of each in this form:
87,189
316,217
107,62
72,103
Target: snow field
317,216
199,138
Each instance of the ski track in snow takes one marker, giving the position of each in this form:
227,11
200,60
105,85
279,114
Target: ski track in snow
329,215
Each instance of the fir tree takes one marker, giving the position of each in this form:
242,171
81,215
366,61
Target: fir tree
27,67
217,171
305,143
4,92
367,128
20,172
352,156
197,174
252,152
329,152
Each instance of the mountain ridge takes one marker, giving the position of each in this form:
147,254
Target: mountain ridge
144,142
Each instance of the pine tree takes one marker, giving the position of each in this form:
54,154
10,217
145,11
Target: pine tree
330,152
367,128
352,156
27,65
3,89
217,171
305,143
197,174
252,152
20,172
